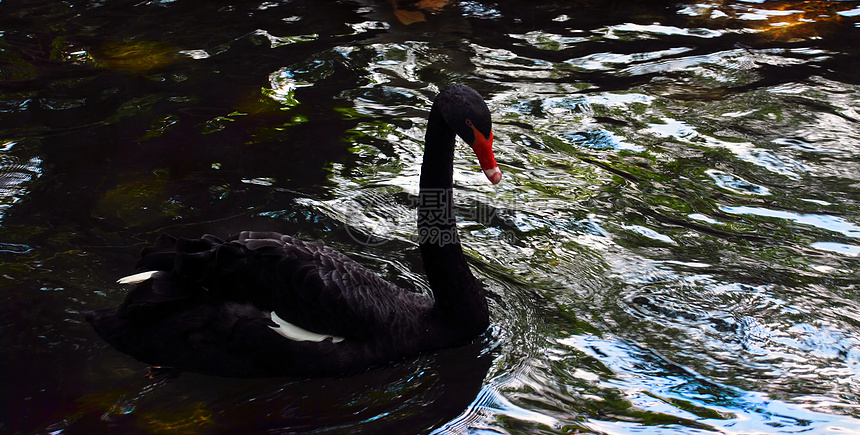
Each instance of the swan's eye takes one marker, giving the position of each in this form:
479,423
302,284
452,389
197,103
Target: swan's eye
469,122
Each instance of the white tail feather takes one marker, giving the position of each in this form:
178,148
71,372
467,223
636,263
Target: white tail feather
137,278
295,333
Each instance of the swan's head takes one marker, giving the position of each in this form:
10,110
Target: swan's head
467,114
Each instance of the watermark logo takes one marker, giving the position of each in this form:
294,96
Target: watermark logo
375,220
372,220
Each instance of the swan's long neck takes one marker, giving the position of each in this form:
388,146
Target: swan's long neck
459,299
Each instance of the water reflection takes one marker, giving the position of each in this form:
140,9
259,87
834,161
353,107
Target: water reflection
15,175
673,248
412,397
831,223
656,385
840,248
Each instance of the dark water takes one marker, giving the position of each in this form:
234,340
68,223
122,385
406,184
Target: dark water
674,247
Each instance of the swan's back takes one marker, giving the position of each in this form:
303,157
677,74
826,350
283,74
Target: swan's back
215,307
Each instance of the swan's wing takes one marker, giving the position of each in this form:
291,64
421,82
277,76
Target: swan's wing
306,284
324,291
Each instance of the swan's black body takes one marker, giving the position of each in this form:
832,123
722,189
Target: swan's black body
208,308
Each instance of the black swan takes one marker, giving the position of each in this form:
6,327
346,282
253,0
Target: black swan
267,304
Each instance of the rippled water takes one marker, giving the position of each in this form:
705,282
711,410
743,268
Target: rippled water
673,248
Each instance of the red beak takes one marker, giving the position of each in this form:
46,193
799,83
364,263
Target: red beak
483,148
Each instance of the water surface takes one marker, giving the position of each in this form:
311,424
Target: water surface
673,248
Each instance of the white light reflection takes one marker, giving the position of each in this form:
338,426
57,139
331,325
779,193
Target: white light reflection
852,13
278,41
736,184
641,375
662,30
703,218
649,233
15,175
825,222
489,404
195,54
839,248
747,151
